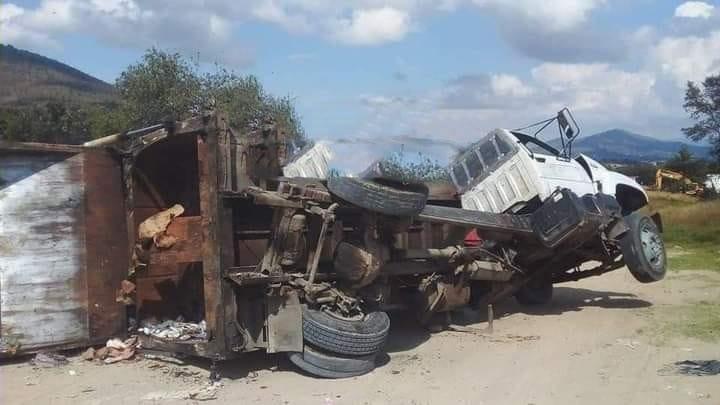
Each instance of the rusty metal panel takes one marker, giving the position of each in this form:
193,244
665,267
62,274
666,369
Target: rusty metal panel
284,320
63,250
105,243
43,290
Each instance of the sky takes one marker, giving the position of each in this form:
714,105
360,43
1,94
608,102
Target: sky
422,75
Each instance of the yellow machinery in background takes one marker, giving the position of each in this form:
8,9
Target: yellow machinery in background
681,183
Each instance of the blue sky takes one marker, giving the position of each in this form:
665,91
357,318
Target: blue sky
401,72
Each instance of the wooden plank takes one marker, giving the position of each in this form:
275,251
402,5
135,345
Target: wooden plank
35,147
43,291
105,243
207,148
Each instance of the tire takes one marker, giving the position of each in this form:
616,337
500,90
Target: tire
643,249
535,292
321,364
343,336
398,200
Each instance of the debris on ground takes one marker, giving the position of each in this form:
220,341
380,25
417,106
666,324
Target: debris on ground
163,358
630,344
174,330
204,393
696,367
48,360
115,350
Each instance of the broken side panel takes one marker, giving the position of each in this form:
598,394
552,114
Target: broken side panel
60,255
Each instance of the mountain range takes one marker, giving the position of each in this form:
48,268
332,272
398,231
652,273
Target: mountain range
618,145
27,78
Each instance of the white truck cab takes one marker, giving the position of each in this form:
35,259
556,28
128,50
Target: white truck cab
509,171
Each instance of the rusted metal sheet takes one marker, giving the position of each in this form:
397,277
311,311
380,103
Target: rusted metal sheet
187,249
43,290
60,262
284,323
105,243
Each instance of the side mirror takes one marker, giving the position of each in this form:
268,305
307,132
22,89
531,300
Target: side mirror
566,123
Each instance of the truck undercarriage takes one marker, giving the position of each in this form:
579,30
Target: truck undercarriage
217,236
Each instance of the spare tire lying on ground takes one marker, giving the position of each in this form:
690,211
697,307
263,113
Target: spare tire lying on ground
330,365
395,199
338,347
354,337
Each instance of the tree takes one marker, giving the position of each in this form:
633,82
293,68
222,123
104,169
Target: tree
683,154
702,102
167,86
161,86
417,168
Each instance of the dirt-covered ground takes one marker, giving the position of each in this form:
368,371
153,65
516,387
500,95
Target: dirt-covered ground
606,340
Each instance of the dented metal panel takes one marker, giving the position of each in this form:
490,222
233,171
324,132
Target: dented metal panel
60,257
43,292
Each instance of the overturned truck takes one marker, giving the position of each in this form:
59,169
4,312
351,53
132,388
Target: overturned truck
224,254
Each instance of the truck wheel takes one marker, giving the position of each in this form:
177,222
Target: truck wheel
326,365
354,337
535,292
399,200
643,249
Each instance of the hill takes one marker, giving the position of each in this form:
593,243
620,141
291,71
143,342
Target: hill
619,145
27,78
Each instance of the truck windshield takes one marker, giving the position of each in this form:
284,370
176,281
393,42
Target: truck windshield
488,152
459,175
474,165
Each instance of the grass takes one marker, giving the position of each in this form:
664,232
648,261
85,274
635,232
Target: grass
692,237
699,320
691,230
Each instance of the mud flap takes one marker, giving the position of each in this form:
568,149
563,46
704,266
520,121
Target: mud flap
284,323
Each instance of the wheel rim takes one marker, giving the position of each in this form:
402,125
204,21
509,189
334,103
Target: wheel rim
652,245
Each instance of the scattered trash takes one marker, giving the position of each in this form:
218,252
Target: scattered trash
116,344
115,350
698,367
630,344
119,350
88,354
204,393
72,372
175,330
47,359
163,358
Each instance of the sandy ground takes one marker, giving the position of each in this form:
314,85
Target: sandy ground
590,346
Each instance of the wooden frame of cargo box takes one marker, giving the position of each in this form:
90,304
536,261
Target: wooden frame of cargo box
212,272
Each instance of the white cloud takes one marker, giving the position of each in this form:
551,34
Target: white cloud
372,26
595,87
552,14
694,9
689,58
9,11
505,85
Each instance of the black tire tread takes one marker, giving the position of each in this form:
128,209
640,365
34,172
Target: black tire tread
320,364
346,337
378,197
634,260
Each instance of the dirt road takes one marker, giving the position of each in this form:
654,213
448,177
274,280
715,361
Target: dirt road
597,343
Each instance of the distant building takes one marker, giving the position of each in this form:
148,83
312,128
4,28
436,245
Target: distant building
713,181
